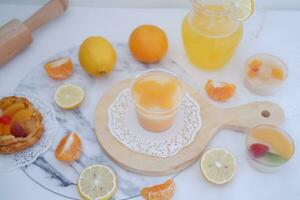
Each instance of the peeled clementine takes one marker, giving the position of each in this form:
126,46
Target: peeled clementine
69,148
59,69
148,43
163,191
219,91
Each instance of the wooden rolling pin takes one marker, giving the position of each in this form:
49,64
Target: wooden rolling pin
16,35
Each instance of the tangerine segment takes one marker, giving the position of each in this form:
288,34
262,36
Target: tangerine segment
278,73
278,142
220,91
254,67
59,69
155,94
69,148
163,191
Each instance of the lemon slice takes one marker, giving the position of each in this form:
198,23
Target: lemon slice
69,96
218,166
239,9
97,182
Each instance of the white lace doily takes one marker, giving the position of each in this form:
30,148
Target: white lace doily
20,159
124,126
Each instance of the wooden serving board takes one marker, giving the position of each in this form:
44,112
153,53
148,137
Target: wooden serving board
238,118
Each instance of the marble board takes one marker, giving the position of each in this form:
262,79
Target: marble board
61,178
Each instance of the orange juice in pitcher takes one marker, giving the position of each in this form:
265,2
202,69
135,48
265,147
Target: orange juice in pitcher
210,34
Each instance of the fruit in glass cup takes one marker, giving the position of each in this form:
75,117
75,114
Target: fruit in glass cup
265,74
269,147
157,94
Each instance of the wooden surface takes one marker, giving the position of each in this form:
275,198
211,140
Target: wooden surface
16,36
48,12
213,119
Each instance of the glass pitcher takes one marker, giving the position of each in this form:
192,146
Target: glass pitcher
210,35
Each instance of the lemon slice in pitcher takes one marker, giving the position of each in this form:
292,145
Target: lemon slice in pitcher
69,96
218,166
97,182
239,9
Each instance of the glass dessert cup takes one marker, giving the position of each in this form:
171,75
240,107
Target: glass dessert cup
268,148
157,95
210,35
265,74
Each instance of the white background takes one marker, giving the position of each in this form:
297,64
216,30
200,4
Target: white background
270,4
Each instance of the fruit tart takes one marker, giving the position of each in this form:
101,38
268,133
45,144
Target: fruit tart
21,124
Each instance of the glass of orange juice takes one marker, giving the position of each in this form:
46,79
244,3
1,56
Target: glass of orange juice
210,35
157,95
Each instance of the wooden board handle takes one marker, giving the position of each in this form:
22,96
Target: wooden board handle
243,117
48,12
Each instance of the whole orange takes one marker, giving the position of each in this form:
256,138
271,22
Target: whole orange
148,43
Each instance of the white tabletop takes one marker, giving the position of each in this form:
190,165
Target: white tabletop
279,34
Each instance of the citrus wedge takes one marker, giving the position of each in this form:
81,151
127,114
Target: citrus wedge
218,165
69,148
97,182
220,91
163,191
69,96
59,69
239,9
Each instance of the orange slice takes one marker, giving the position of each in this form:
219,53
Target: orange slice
69,148
239,9
219,91
277,140
6,104
22,115
12,109
163,191
1,129
6,129
59,69
278,73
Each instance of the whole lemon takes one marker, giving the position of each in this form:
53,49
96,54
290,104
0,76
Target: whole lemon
148,43
97,56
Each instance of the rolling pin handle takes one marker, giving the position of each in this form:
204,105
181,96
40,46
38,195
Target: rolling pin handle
48,12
